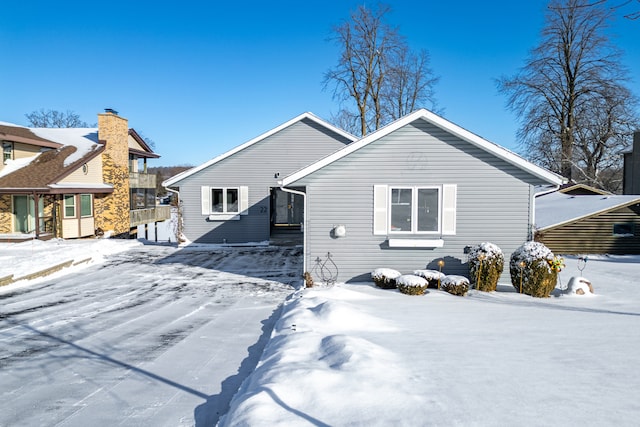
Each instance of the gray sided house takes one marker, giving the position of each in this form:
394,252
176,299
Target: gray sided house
234,198
415,192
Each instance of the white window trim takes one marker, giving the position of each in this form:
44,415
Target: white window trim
75,205
447,212
414,209
243,203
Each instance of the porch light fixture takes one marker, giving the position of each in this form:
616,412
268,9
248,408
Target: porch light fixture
340,230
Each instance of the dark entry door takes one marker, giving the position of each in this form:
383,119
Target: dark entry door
287,209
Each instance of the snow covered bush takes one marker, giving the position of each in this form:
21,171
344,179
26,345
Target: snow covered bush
486,263
385,278
534,267
431,276
456,285
411,284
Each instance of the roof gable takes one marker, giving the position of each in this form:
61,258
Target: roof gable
177,178
440,122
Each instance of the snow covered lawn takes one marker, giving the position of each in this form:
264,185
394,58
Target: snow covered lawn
155,335
360,355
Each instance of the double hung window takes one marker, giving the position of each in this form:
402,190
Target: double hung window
414,210
224,200
223,203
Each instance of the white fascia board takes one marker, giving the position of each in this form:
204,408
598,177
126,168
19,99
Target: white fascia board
442,123
306,115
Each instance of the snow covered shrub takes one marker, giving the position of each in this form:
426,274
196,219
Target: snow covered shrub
412,285
534,267
385,278
486,263
431,276
456,285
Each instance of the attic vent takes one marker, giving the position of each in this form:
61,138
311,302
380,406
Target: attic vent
110,110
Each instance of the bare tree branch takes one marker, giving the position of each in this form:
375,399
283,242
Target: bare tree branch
576,112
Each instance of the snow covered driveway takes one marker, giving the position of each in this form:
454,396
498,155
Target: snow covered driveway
154,336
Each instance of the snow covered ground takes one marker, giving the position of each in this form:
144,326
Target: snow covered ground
359,355
156,335
139,335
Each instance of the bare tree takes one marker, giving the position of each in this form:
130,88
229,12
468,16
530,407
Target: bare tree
577,115
55,119
377,78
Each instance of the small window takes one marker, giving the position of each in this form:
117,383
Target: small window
70,206
224,200
414,210
7,152
86,206
623,230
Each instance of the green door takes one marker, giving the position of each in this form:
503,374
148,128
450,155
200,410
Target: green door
23,210
24,213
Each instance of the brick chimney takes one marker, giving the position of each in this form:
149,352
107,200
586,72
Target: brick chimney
112,210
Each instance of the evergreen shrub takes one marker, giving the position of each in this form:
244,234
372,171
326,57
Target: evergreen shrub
456,285
385,278
486,263
411,284
535,267
431,276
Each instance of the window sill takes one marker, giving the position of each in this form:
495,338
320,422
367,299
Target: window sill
224,217
413,243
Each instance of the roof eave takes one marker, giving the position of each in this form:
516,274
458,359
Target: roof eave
442,123
307,115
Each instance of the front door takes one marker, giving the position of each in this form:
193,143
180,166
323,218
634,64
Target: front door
287,209
23,214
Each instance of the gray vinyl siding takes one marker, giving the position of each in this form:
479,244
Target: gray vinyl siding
284,152
493,203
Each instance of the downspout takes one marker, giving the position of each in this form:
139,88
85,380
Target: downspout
304,223
532,228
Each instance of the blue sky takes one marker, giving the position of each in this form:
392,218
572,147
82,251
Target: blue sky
200,77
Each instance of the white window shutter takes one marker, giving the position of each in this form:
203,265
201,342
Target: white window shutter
449,195
380,194
244,200
205,200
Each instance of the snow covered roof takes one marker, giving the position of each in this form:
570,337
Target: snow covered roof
63,150
442,123
554,209
84,139
179,177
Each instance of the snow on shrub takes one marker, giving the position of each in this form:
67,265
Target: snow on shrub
486,263
385,278
411,284
456,285
534,267
431,276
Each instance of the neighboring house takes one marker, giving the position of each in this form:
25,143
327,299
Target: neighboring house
76,182
234,198
415,192
588,224
631,171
